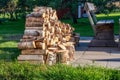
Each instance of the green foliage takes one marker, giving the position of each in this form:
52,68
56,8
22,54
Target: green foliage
16,71
18,8
25,71
10,34
56,4
3,3
104,6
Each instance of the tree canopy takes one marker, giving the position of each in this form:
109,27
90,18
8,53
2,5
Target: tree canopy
18,8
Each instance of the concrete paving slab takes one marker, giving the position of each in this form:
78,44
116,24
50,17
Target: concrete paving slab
115,51
101,63
105,49
114,65
96,53
78,54
83,62
97,57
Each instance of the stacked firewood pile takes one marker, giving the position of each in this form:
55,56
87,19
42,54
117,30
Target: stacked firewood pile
47,40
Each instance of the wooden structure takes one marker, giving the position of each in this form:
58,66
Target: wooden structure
103,29
46,40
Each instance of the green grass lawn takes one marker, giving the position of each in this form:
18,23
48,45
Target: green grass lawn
12,27
10,34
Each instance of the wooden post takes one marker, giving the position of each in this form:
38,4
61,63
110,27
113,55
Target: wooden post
89,7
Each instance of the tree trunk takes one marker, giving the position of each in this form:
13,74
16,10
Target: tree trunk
11,15
16,15
74,18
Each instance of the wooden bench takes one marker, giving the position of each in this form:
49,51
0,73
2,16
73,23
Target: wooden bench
103,29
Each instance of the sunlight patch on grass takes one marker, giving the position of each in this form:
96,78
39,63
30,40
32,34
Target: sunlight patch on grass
10,44
111,14
1,38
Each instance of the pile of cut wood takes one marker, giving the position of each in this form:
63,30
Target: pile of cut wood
47,40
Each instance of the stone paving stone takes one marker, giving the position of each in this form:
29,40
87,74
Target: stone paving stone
99,56
101,63
113,64
105,49
96,57
103,60
80,51
78,54
83,62
115,51
96,53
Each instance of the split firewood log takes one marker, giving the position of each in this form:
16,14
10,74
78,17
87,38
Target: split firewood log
33,28
64,56
32,52
31,57
33,32
35,24
26,45
34,19
38,44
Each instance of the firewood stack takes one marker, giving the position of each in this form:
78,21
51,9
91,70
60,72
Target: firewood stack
46,40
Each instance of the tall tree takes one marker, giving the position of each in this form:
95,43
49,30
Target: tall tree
3,4
12,6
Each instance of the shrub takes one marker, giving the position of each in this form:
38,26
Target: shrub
26,71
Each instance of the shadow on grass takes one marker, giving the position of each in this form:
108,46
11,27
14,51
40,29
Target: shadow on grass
9,54
10,37
8,46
